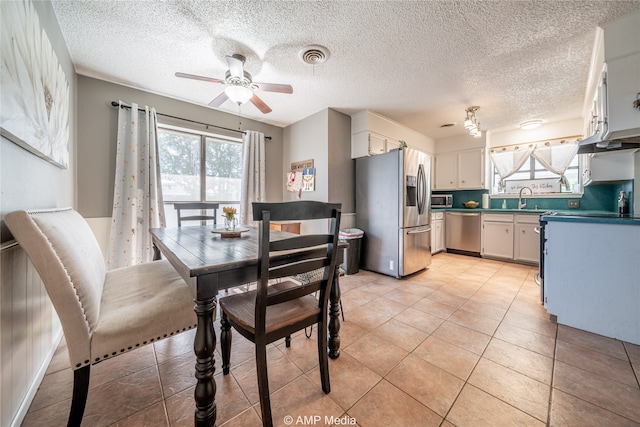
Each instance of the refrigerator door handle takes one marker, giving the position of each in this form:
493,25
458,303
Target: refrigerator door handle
422,189
420,231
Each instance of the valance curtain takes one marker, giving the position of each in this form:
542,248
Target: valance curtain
137,198
556,156
253,174
508,160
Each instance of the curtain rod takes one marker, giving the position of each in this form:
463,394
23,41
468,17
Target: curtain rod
115,104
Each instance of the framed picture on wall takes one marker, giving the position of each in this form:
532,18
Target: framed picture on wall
35,91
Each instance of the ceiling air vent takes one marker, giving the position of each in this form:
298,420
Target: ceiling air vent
314,54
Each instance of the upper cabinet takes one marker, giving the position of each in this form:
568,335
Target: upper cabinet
615,81
370,143
623,86
460,170
608,167
373,134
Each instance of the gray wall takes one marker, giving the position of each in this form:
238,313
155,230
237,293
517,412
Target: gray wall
27,181
29,330
97,123
341,171
324,137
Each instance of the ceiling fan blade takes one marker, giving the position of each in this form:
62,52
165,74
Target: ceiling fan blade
273,87
236,68
194,77
219,100
255,100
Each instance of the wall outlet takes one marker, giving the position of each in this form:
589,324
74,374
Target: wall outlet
391,265
573,204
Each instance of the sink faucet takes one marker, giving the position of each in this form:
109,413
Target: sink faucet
520,204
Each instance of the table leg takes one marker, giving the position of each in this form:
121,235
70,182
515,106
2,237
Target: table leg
203,347
334,317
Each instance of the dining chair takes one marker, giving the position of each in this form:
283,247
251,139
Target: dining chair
275,311
103,313
202,206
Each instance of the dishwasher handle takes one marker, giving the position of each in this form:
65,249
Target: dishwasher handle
463,213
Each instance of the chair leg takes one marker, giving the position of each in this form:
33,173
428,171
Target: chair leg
263,384
323,357
225,343
79,399
287,341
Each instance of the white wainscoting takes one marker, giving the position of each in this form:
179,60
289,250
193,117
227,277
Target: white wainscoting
29,333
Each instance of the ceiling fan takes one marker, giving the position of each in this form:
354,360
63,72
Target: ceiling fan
239,85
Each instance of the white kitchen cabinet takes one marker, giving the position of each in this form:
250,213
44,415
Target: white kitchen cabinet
623,83
367,144
460,170
527,239
608,167
471,169
497,235
437,232
511,237
446,167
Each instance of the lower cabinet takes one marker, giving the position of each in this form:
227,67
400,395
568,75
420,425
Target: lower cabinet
527,239
497,235
511,237
437,232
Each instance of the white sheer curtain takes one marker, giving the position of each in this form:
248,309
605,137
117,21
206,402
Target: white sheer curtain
508,160
556,156
137,198
253,174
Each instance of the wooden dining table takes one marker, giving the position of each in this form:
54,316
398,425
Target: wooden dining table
209,263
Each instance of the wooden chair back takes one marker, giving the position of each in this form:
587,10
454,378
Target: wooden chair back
202,206
295,255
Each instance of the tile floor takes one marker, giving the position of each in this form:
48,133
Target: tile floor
465,343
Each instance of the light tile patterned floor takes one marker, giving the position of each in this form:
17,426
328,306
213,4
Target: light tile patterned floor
464,343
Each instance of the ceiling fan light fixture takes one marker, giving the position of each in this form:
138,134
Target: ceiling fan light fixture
531,124
238,93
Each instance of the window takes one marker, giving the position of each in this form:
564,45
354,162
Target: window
198,166
548,167
533,170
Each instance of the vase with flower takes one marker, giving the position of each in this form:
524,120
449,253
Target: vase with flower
230,220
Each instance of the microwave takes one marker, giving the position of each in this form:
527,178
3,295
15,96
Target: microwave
439,201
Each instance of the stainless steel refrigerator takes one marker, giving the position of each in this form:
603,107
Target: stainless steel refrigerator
393,208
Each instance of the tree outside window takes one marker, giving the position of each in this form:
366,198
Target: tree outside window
196,166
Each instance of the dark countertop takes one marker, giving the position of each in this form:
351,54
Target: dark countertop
574,215
610,218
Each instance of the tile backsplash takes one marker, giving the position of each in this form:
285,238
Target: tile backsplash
601,197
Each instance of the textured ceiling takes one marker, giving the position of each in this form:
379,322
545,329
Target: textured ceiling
420,63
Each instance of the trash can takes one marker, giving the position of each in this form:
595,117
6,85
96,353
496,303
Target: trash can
351,261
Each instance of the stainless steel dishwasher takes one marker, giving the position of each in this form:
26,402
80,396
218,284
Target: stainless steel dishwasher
462,232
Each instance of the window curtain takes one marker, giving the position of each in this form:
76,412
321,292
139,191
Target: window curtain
508,160
137,198
253,174
556,156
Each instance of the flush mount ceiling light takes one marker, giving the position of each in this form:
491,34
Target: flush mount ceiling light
531,124
471,123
